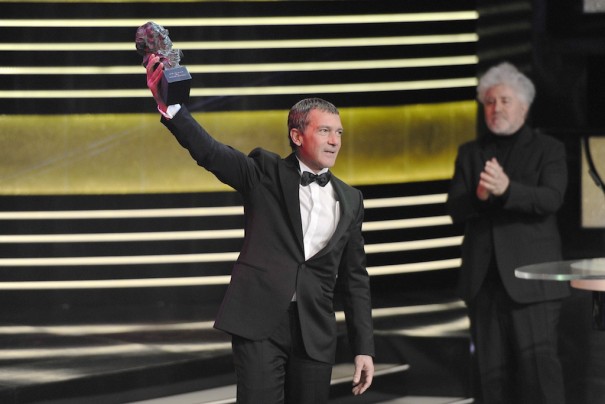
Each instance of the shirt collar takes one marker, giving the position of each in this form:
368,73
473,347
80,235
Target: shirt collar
303,167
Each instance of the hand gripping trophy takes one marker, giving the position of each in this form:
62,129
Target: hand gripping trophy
152,38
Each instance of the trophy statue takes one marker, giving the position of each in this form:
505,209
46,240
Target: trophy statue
152,38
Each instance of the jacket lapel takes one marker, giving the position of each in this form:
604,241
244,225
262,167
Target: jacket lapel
289,177
344,221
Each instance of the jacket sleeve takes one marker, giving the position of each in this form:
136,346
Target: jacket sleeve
229,165
355,283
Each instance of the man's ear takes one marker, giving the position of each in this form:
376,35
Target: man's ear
296,136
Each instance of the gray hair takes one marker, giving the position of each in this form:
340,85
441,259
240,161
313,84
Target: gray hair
299,114
506,74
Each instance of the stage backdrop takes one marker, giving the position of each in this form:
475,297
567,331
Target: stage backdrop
77,117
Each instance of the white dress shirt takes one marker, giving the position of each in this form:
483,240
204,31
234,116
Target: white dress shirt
319,213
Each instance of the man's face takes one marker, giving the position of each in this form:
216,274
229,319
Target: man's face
504,111
320,142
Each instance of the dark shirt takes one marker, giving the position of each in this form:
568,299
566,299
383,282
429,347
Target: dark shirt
499,146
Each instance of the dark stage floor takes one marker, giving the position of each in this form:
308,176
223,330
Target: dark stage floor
124,362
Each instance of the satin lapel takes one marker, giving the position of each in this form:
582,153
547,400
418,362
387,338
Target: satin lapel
289,179
346,212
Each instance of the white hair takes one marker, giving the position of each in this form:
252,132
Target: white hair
506,74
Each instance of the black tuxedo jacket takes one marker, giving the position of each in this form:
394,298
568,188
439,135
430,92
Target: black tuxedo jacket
271,265
520,228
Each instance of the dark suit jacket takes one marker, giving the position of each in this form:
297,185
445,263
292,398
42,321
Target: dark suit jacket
522,225
271,265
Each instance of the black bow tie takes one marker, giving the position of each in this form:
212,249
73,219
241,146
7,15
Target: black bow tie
321,179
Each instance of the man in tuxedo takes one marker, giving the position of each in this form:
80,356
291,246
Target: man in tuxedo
507,187
302,239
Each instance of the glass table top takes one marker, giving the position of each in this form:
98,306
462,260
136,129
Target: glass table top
586,274
583,269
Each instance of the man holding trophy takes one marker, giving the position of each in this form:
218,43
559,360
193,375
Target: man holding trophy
302,240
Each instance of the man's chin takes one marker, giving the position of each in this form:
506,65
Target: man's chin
500,130
329,163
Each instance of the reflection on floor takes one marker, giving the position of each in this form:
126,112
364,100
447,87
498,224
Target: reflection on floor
185,361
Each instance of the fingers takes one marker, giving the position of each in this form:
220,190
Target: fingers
154,73
365,381
493,179
488,183
152,61
482,192
364,373
493,168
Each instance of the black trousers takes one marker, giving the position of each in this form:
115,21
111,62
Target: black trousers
516,348
277,370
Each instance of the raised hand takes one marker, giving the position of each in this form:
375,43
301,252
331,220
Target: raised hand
154,76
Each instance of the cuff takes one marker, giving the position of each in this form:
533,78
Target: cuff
170,111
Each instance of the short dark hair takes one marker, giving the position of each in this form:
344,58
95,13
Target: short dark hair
299,114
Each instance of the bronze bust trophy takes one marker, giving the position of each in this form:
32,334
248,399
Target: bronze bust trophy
152,38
